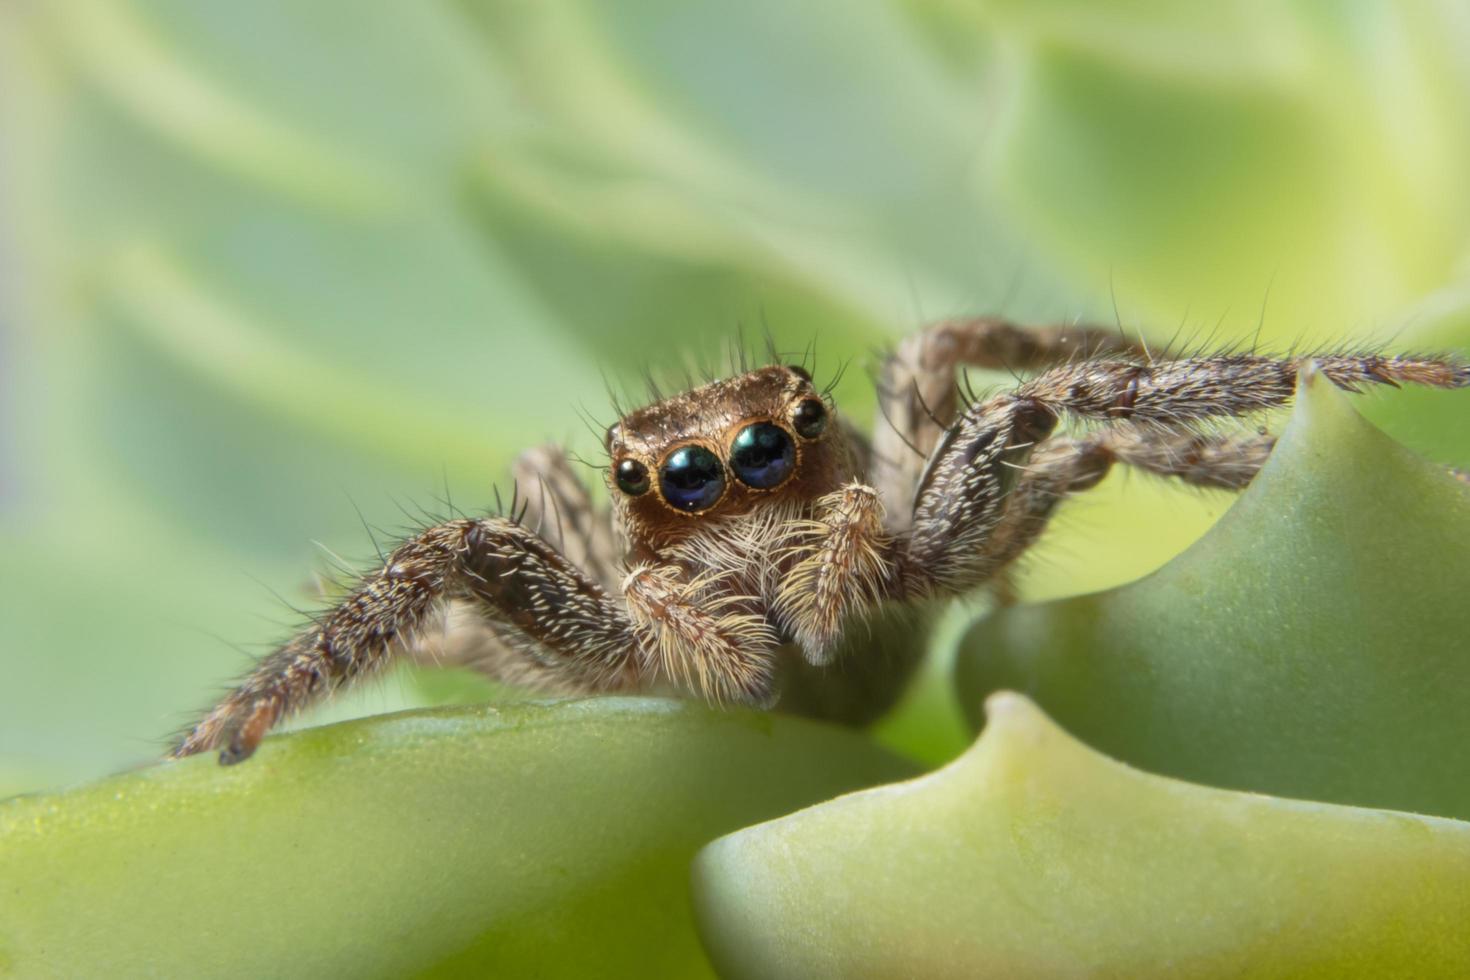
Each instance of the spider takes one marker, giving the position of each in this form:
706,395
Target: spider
752,527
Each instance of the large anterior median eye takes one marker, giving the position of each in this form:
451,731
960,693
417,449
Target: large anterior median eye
691,478
762,455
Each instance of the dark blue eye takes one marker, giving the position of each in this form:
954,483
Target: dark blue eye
692,478
762,456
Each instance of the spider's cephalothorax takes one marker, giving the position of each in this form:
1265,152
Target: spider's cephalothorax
711,456
751,528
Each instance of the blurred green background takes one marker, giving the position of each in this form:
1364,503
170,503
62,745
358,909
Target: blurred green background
266,266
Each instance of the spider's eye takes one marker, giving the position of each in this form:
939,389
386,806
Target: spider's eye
632,477
762,455
692,478
810,418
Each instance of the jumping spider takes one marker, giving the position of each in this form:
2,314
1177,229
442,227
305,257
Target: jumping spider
753,523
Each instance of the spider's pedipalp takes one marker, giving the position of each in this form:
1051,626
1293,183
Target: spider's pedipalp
840,567
717,645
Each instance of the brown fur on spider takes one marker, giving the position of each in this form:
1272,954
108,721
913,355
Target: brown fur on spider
749,519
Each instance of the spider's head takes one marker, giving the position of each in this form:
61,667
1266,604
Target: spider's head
722,450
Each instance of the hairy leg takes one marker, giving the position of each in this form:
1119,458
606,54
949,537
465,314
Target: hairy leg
701,636
538,604
962,496
1063,467
1175,393
554,502
1223,461
840,563
463,636
558,505
918,390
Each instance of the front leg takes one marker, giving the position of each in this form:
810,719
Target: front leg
963,493
537,603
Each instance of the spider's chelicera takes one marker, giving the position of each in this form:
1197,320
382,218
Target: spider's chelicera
751,526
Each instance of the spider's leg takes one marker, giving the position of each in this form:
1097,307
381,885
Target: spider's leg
919,396
559,507
539,606
1062,467
537,602
962,496
1180,392
1219,460
550,499
838,565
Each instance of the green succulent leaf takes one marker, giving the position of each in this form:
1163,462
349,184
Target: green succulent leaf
1312,644
548,838
1033,856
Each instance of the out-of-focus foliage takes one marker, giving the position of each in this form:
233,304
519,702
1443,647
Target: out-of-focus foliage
1034,856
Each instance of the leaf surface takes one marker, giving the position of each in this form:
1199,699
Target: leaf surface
1312,644
1033,856
550,839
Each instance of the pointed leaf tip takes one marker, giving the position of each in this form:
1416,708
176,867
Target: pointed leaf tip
1309,645
1033,856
